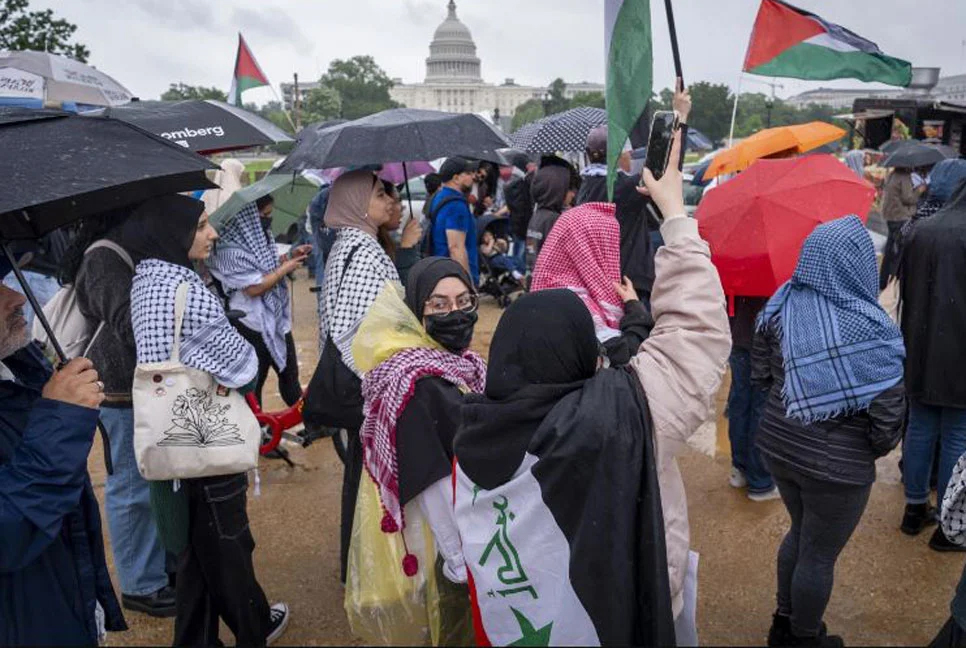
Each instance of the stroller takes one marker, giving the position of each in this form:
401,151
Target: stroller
496,282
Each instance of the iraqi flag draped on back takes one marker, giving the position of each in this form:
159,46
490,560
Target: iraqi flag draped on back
560,517
247,75
790,42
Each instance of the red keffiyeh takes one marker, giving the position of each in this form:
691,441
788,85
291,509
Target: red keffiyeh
583,254
387,390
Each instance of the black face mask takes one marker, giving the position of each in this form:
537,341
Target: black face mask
453,330
266,223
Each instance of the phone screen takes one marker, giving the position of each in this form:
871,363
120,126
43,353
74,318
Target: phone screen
659,142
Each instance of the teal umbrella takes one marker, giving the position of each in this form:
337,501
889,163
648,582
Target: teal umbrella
291,201
242,197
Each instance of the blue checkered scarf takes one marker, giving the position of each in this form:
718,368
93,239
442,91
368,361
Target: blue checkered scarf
839,348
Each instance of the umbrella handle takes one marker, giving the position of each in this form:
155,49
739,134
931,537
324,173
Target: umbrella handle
59,350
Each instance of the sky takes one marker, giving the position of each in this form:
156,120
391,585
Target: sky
148,44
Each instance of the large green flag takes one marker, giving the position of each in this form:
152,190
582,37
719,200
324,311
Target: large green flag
630,72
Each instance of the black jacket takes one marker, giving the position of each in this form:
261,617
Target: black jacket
635,326
934,305
841,450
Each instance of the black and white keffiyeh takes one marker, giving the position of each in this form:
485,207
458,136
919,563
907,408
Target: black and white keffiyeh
244,255
208,340
345,301
953,513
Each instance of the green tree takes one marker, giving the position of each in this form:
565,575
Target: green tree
527,112
665,100
556,100
711,109
363,87
22,29
179,91
321,104
589,99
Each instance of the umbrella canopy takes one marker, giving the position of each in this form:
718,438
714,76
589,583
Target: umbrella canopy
67,167
773,141
203,126
756,223
913,154
698,141
564,132
52,78
267,185
396,135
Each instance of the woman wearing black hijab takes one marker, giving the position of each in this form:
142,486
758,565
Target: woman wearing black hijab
570,505
159,228
412,405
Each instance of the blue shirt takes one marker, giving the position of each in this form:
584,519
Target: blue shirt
455,215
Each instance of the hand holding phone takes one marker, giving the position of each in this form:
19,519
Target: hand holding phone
664,125
668,191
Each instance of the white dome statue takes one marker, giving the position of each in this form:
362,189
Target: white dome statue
452,54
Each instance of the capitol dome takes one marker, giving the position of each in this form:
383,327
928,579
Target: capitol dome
452,54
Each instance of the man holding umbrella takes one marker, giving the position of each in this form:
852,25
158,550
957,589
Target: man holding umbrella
54,584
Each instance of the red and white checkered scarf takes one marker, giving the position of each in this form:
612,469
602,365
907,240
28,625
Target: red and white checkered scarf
583,254
387,390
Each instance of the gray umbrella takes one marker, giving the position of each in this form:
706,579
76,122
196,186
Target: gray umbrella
60,79
916,154
396,135
564,132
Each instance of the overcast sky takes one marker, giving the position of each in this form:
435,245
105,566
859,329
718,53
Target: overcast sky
147,44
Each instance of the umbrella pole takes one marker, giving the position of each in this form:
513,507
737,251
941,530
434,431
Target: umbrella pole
59,350
408,195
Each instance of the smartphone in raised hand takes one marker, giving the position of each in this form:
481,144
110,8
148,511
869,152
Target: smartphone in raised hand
663,126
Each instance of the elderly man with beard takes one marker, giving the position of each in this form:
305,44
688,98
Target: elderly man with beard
54,584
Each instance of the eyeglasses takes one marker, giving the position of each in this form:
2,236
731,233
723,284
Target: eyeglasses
440,304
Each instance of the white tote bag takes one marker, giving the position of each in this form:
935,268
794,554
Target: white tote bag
187,425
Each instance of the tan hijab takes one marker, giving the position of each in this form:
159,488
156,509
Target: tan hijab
229,180
349,202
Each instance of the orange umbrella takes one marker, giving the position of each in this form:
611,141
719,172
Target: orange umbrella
778,142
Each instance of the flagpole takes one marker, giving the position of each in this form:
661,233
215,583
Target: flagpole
734,111
674,41
285,112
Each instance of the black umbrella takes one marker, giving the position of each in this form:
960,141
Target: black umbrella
914,155
60,167
564,132
67,167
396,135
203,126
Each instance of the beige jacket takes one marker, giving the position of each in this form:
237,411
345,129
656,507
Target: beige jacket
680,367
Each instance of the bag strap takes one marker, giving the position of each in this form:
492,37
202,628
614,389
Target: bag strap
345,267
438,207
180,301
111,245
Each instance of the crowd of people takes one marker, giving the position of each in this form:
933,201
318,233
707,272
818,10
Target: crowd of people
476,489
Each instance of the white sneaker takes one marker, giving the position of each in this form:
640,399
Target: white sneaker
278,622
737,479
772,494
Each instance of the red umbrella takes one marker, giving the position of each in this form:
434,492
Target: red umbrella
756,223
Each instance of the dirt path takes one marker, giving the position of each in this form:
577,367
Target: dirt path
890,589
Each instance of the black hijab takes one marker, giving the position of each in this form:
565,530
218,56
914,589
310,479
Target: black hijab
424,276
160,228
543,349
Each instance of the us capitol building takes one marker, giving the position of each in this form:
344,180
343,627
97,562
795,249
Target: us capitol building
454,82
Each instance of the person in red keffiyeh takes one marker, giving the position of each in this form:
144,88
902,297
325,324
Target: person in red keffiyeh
582,254
412,404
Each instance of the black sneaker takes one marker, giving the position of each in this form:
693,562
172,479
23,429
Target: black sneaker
917,517
939,542
161,604
278,621
780,632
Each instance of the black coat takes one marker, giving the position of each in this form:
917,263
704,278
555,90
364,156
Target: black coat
841,450
933,285
635,326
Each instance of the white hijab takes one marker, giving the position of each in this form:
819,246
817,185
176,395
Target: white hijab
229,179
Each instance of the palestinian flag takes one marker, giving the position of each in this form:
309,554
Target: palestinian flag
630,72
248,74
568,547
789,42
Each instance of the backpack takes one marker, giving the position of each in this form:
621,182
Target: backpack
68,324
426,245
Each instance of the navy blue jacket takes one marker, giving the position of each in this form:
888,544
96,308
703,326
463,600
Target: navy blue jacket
52,567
